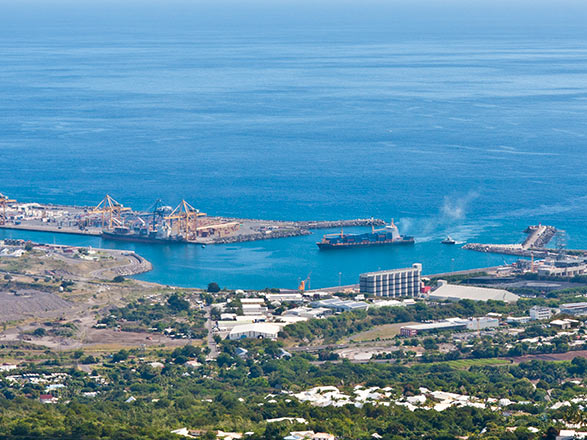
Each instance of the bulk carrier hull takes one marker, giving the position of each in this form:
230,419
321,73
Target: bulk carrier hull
137,238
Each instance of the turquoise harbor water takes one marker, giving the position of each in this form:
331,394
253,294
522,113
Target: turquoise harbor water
471,129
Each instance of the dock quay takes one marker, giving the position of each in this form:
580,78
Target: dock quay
534,245
340,223
161,223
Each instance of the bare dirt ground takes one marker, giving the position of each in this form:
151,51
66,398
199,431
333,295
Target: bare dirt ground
30,303
32,296
568,356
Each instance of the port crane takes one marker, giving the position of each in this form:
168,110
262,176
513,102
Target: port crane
4,200
110,210
185,219
305,283
157,210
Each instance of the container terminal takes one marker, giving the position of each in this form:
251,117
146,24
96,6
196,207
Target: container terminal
160,223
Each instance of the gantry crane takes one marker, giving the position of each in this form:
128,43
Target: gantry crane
110,210
4,200
184,219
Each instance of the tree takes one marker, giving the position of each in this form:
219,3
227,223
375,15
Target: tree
213,288
120,356
40,332
177,303
118,279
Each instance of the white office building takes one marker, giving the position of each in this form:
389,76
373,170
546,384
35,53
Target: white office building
538,313
392,283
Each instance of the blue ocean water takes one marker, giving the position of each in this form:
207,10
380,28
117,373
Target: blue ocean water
473,126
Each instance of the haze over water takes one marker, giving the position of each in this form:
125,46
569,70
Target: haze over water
472,126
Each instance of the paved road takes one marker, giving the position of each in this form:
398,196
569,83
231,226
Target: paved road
210,338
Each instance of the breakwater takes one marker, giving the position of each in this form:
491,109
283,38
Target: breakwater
534,245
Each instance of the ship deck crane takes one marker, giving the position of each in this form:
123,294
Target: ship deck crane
110,210
4,201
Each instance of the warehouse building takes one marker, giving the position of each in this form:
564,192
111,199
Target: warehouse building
450,324
260,330
576,309
392,283
340,305
456,292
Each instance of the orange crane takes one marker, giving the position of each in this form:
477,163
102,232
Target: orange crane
305,283
4,200
110,210
185,218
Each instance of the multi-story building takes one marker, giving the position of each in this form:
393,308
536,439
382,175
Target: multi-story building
538,313
392,283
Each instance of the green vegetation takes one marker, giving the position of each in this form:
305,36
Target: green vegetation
336,327
230,395
170,315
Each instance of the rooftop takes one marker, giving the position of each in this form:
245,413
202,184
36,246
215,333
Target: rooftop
457,291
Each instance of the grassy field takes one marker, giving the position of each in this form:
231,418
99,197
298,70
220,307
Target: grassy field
385,331
465,364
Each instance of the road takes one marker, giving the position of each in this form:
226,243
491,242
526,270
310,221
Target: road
210,338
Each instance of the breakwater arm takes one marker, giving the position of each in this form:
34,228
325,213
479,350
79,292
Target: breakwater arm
538,237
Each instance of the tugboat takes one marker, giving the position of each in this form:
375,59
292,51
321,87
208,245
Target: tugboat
387,235
448,240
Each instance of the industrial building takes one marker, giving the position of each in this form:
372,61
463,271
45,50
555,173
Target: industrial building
450,324
285,297
339,305
456,292
567,267
576,309
260,330
392,283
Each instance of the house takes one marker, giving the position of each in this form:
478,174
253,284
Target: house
48,398
7,367
241,352
570,434
309,435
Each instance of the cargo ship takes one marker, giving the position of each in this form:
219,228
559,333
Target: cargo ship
143,235
377,237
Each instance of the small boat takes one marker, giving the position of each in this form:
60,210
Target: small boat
448,240
203,246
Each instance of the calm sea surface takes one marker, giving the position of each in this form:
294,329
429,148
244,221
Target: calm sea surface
475,135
